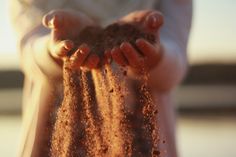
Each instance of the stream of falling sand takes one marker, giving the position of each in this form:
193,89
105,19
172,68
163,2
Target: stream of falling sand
93,121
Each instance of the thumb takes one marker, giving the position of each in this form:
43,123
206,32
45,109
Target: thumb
52,20
153,22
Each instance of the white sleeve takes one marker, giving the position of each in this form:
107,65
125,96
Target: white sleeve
174,38
26,18
177,15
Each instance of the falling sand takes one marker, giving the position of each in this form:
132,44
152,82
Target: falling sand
94,119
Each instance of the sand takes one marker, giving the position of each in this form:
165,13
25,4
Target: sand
93,119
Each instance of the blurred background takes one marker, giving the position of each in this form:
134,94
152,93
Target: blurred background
206,101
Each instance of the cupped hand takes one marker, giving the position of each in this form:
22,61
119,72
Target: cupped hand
143,56
128,55
65,26
83,59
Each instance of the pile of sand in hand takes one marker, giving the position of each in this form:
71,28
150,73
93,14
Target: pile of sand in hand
94,120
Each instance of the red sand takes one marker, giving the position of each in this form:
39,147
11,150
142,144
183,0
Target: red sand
93,119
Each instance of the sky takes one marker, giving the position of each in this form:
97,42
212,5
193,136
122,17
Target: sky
8,50
212,38
213,34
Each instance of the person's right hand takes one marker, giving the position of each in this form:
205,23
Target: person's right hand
65,27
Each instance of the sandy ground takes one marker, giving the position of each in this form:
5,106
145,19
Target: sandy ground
207,136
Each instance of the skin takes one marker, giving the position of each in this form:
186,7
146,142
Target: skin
127,55
66,25
169,64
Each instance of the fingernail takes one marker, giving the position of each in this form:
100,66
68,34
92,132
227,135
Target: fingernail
140,40
124,45
50,23
84,48
114,50
153,21
68,45
55,22
45,20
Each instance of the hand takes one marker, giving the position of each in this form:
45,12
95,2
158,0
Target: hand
65,26
147,20
148,55
83,59
127,55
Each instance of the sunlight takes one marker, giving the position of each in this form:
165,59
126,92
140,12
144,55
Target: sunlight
7,37
8,50
212,39
213,34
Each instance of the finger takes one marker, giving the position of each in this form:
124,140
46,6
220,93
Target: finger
107,57
46,18
131,54
148,49
91,62
52,20
80,55
153,21
61,48
135,16
118,56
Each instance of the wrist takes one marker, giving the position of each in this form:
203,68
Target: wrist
49,49
48,65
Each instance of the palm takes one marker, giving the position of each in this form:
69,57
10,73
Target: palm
147,20
66,24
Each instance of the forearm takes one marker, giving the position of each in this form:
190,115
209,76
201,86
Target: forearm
174,37
170,70
35,57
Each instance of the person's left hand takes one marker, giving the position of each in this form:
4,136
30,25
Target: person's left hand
148,55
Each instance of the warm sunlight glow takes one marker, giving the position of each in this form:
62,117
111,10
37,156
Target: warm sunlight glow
213,35
8,50
7,37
